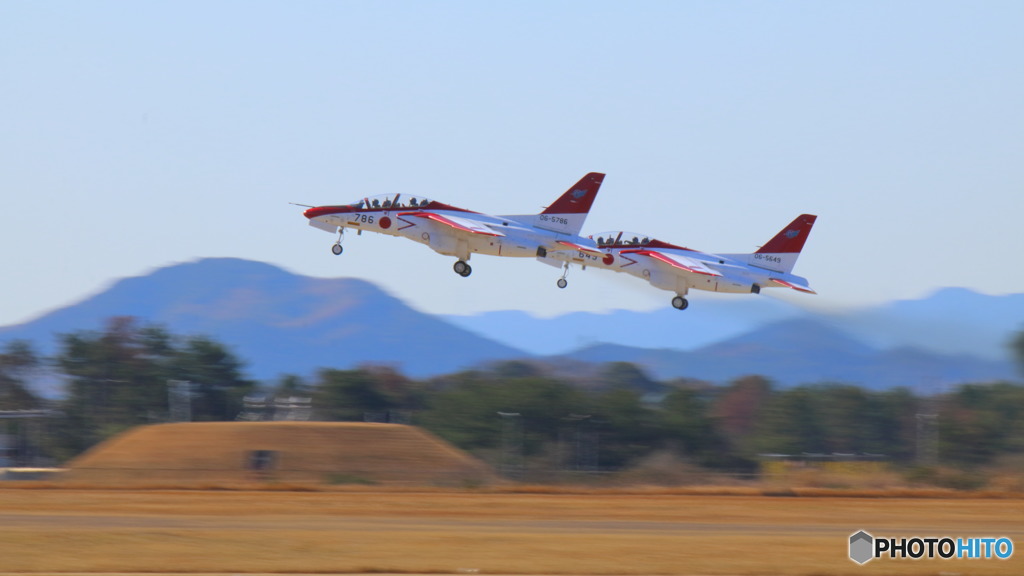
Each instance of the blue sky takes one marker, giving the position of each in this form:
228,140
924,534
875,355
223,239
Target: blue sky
137,135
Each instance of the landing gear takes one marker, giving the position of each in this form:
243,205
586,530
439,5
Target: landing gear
462,269
680,303
337,249
562,282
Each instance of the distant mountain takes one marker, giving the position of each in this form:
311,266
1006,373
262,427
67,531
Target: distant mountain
279,322
951,321
706,322
801,351
276,321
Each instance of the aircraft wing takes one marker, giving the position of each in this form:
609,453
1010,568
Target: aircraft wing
794,286
580,247
456,222
677,261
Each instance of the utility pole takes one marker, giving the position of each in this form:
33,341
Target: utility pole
179,400
511,445
927,439
928,432
583,455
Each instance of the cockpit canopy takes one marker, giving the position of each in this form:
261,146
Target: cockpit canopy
392,201
618,239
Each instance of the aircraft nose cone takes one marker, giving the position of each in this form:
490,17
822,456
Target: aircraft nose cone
319,211
326,211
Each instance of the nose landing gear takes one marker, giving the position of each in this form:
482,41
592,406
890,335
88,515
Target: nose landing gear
337,249
562,282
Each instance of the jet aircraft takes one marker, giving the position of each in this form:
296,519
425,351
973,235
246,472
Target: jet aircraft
678,269
458,232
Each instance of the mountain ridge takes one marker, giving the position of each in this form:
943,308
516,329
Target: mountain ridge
274,320
948,321
805,351
279,322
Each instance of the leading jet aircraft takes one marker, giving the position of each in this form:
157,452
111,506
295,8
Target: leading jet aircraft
458,232
677,269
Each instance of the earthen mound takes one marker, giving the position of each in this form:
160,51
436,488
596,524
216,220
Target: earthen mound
210,453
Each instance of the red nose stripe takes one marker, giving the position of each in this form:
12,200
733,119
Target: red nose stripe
326,211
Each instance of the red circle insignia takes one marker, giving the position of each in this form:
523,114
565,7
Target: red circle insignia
608,259
385,222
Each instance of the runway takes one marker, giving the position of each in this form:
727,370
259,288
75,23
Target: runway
461,532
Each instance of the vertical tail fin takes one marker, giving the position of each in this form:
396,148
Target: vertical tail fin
578,198
567,214
781,252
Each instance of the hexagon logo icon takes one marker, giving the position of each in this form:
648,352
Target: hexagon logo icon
861,547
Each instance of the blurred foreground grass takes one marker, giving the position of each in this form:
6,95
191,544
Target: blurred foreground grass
370,530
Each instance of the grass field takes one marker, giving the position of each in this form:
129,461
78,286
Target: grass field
365,530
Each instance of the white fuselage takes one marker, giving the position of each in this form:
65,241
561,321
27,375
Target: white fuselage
492,235
735,275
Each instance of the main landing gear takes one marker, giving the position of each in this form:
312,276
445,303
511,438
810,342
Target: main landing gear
680,303
462,268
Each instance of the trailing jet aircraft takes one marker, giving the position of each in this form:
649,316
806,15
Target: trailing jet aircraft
678,269
459,232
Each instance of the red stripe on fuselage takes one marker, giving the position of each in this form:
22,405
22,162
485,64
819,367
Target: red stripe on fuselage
326,211
446,221
349,209
669,261
408,224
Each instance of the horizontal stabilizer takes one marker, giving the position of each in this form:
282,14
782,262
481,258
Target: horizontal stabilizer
794,286
456,222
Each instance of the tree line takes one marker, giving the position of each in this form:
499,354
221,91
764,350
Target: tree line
118,378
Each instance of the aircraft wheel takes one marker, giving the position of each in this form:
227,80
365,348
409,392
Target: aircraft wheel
679,303
469,270
562,283
462,269
337,249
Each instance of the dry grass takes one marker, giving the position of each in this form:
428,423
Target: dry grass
650,531
291,521
209,454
